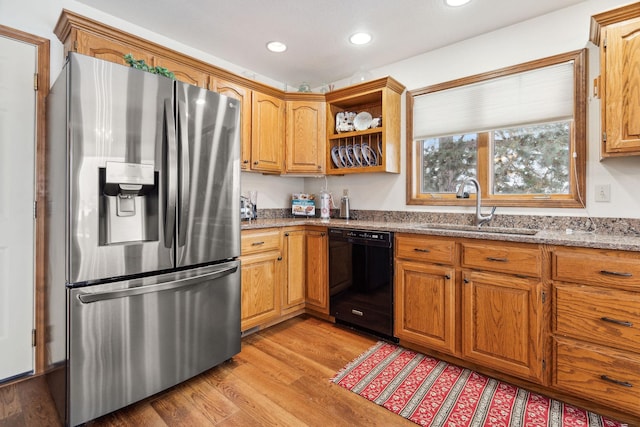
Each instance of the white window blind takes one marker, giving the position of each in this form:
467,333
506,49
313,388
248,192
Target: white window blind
536,96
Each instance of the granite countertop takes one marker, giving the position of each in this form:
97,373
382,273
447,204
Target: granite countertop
549,237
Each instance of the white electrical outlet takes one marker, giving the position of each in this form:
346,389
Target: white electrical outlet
603,193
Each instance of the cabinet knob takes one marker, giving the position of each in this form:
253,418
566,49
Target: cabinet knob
245,161
322,234
286,234
465,280
255,163
279,258
446,276
319,167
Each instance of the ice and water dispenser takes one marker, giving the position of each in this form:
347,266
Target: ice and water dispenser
128,203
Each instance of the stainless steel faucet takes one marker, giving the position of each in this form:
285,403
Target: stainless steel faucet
479,219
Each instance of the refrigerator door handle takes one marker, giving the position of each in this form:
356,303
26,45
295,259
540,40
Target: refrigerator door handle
90,297
170,214
183,213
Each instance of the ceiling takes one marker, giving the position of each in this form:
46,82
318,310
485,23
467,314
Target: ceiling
317,31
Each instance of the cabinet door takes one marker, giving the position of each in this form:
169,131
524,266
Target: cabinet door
243,95
261,278
621,98
502,323
98,47
317,289
425,310
295,242
305,137
184,73
267,133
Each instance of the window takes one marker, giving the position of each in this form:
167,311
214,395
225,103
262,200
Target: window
520,131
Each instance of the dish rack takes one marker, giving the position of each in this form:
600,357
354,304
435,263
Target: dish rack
372,149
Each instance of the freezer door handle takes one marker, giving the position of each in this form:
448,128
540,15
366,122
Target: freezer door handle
89,297
183,214
171,172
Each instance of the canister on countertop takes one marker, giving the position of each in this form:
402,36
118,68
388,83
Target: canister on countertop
344,204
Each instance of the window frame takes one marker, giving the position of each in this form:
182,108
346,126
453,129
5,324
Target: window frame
577,144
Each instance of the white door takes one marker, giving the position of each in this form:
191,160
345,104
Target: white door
17,158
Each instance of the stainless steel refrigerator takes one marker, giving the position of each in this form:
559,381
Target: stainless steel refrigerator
143,281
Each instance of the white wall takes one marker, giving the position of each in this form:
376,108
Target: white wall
558,32
562,31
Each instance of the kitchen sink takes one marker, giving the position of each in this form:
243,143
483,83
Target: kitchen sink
475,229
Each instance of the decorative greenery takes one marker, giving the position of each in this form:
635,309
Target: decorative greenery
141,65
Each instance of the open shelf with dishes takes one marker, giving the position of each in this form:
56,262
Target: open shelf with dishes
363,128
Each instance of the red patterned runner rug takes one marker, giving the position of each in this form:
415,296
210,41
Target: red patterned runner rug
431,392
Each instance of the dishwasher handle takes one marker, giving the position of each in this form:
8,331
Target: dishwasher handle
90,297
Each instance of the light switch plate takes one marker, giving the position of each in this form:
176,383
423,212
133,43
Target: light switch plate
603,193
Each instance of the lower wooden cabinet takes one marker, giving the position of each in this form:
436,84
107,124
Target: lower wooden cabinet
480,301
262,277
317,270
261,281
502,323
598,373
284,271
293,293
596,325
425,305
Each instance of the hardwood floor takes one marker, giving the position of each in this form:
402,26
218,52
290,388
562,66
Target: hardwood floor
280,378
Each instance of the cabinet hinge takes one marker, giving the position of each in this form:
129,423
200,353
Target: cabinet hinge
35,81
33,337
604,137
544,297
604,43
35,209
75,45
544,364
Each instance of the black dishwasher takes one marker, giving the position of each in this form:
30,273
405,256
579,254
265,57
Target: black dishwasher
361,279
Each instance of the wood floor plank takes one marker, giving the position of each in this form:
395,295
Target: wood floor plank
37,405
138,414
176,409
276,367
255,402
9,402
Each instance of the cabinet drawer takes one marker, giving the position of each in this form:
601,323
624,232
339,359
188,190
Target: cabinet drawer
599,373
253,241
617,270
423,248
606,316
504,258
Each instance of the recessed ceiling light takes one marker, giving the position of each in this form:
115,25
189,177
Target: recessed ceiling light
456,3
360,38
276,47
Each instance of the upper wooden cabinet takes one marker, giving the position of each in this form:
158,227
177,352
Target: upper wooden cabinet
617,33
89,37
267,133
109,50
305,135
369,150
184,73
281,132
242,94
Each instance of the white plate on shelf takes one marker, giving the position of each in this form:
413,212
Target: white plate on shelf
342,152
335,156
357,155
369,155
362,121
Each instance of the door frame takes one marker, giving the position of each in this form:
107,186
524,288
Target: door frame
42,83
